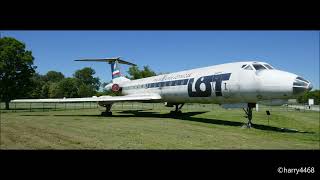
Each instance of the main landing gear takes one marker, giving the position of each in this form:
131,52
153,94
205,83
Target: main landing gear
177,111
108,110
248,112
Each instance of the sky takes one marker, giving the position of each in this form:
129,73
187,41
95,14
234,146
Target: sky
171,51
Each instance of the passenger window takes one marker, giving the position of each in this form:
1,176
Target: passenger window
185,82
248,68
178,82
258,67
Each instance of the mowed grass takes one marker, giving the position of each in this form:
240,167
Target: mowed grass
149,126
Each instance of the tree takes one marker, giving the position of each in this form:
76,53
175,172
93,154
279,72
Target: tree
147,72
136,73
53,76
86,91
45,90
85,75
315,94
38,82
16,70
67,87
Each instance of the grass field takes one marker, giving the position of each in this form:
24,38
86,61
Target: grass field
149,126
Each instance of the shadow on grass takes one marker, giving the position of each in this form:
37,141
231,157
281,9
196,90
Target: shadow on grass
187,116
34,115
72,115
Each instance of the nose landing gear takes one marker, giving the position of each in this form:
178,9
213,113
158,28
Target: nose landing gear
177,111
248,112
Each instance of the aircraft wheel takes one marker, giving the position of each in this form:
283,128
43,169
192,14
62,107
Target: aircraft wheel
176,113
106,113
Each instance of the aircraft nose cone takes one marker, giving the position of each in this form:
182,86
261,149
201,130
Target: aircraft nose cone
300,85
310,86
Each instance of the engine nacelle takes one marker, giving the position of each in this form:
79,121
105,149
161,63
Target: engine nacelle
113,87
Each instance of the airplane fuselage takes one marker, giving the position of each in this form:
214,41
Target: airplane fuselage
225,83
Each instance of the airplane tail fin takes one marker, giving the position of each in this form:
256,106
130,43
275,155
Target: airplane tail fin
115,70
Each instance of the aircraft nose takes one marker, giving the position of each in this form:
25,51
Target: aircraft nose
310,86
300,85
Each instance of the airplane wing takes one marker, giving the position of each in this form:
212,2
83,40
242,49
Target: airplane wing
111,99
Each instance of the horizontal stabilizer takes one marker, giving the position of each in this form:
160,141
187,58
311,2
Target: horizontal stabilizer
109,60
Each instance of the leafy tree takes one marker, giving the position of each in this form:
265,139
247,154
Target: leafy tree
45,90
315,94
16,70
85,75
136,73
147,72
53,76
86,91
53,90
67,87
38,83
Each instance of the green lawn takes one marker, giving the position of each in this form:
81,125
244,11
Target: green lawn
149,126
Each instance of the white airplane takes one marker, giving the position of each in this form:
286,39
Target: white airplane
232,85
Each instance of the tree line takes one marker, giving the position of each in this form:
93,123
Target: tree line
19,79
55,85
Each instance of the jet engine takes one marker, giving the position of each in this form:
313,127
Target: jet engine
113,87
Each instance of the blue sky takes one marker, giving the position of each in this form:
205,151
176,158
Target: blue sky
170,51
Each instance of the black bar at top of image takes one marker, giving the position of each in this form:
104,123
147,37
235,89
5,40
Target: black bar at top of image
132,15
158,22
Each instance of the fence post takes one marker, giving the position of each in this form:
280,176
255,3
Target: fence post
42,107
30,106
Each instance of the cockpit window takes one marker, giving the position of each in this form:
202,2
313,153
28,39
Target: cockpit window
300,78
243,66
248,68
268,66
258,67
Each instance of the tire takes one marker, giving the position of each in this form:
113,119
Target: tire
106,113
